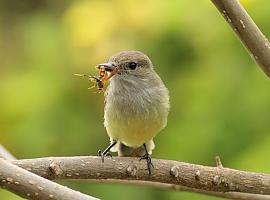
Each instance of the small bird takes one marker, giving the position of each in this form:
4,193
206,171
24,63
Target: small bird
136,106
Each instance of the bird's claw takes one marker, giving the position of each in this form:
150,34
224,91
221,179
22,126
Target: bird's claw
147,157
102,154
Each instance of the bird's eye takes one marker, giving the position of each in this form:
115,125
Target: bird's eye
132,65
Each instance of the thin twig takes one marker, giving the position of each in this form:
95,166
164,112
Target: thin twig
247,31
32,186
5,154
195,177
218,162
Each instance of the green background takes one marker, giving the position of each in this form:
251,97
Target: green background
220,100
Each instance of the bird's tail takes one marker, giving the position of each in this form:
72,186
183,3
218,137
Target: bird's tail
126,151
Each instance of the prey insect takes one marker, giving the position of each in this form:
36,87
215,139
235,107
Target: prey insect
99,81
99,84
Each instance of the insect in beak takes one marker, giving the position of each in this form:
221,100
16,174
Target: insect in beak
110,68
106,72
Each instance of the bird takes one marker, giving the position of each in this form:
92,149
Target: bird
136,106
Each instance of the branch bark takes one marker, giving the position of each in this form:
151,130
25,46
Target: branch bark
216,181
247,31
32,186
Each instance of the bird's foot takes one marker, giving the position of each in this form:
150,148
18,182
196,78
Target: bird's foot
104,154
147,157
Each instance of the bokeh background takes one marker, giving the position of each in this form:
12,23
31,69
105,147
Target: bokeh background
220,100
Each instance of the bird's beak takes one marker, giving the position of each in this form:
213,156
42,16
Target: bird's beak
108,66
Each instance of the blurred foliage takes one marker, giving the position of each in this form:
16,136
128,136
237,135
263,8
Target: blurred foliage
220,99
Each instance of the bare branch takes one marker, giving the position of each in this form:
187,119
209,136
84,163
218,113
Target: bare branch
32,186
176,174
247,31
5,154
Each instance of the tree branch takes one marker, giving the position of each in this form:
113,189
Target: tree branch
5,154
32,186
216,181
247,31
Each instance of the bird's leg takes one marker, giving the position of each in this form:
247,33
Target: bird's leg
106,152
147,157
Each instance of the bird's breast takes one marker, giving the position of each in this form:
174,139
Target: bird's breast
135,113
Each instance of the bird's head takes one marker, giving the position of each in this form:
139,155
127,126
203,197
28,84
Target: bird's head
129,63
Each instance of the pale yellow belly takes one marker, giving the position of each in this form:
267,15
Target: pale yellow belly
135,133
